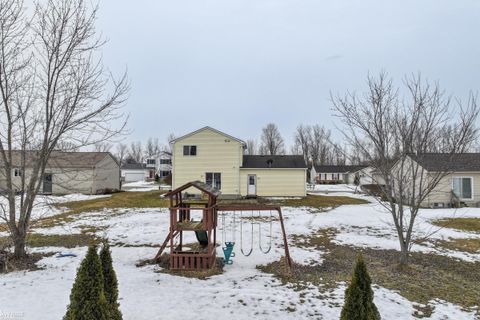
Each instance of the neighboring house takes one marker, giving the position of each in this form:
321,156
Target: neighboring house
218,159
131,172
161,165
329,174
69,172
462,183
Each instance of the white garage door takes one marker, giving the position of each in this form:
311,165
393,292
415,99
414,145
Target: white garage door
134,176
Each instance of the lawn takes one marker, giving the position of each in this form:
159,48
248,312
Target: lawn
35,240
319,202
464,224
427,276
149,199
324,233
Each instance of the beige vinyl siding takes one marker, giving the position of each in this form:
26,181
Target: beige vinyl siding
442,192
215,153
106,174
276,182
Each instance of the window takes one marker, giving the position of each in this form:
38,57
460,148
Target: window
214,179
150,161
462,187
189,150
17,172
165,161
164,173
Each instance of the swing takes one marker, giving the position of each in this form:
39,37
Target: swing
260,235
246,254
228,248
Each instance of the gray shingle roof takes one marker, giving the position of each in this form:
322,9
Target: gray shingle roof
133,166
456,162
275,162
338,168
60,159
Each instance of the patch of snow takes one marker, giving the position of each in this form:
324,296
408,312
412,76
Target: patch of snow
327,188
139,186
242,291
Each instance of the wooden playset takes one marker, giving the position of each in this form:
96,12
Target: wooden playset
200,215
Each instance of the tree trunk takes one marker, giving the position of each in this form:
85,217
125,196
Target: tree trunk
19,245
404,254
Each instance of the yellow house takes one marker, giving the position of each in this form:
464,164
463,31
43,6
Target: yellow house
218,159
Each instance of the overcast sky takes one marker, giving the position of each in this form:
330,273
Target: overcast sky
236,65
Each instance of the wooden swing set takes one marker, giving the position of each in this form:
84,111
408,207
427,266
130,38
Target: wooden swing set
201,216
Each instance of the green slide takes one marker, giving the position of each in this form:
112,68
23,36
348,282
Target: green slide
202,237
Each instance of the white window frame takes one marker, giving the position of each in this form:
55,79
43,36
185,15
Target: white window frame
213,179
471,183
189,150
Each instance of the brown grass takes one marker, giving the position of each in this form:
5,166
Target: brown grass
465,224
428,276
150,199
318,202
55,240
471,245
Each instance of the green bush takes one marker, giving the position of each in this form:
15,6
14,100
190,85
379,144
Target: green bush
87,298
359,296
110,282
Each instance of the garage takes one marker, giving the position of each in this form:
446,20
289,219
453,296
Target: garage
134,176
132,172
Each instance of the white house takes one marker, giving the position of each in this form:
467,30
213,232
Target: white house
161,165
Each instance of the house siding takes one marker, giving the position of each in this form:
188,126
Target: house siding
106,174
442,192
276,182
215,153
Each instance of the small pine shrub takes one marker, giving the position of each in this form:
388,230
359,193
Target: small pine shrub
87,298
110,282
359,296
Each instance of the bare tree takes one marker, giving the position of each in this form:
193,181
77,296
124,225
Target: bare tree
121,152
302,142
396,133
272,141
252,147
135,152
53,88
102,146
153,148
168,146
320,145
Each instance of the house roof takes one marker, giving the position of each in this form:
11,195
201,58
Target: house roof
275,162
133,166
208,128
338,168
456,162
60,159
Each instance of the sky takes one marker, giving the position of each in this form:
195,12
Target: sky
237,65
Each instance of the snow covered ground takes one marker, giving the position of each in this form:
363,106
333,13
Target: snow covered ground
327,188
242,291
139,186
43,205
